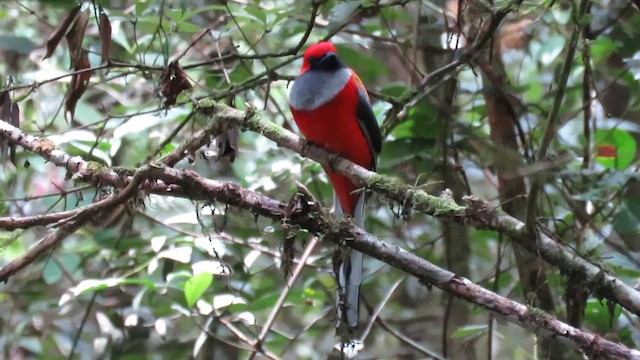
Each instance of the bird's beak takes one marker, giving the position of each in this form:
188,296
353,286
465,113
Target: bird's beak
327,60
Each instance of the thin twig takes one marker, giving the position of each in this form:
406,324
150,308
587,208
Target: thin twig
551,125
283,296
379,308
245,339
407,340
72,224
85,317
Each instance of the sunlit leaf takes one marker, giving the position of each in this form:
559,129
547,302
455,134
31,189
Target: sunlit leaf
161,327
92,285
181,254
616,148
196,286
224,300
7,238
210,266
551,49
199,343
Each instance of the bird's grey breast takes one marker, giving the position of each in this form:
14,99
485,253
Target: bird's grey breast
313,89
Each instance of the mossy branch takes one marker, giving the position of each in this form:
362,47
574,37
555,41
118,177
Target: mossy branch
161,179
477,212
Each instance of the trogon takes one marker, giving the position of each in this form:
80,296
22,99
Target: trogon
332,109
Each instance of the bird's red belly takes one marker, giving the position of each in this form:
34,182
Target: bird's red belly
335,127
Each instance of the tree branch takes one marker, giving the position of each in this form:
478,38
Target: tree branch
189,183
73,223
479,214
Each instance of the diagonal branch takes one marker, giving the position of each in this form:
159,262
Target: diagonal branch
73,223
13,223
189,183
479,214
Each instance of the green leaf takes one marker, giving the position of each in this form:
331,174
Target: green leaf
469,330
560,16
174,14
394,90
363,62
421,123
402,150
9,248
197,10
597,315
9,237
142,6
167,149
626,337
342,13
187,27
267,301
627,271
196,286
60,3
52,272
616,148
70,261
32,344
627,220
256,13
602,48
240,74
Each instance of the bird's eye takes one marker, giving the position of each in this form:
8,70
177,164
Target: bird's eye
313,61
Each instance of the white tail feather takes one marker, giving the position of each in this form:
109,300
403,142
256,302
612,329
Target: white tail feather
350,273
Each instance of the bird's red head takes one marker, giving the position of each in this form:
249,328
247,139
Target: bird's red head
316,53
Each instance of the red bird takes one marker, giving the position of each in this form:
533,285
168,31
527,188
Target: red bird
332,109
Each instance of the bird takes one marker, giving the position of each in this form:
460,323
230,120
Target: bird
332,109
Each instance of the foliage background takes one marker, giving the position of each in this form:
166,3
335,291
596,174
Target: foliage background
175,278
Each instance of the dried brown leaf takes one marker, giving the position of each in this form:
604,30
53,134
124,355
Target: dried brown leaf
515,35
174,82
105,35
227,143
78,85
10,113
75,37
61,31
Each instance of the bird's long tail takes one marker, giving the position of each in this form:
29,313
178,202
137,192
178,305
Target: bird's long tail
349,273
